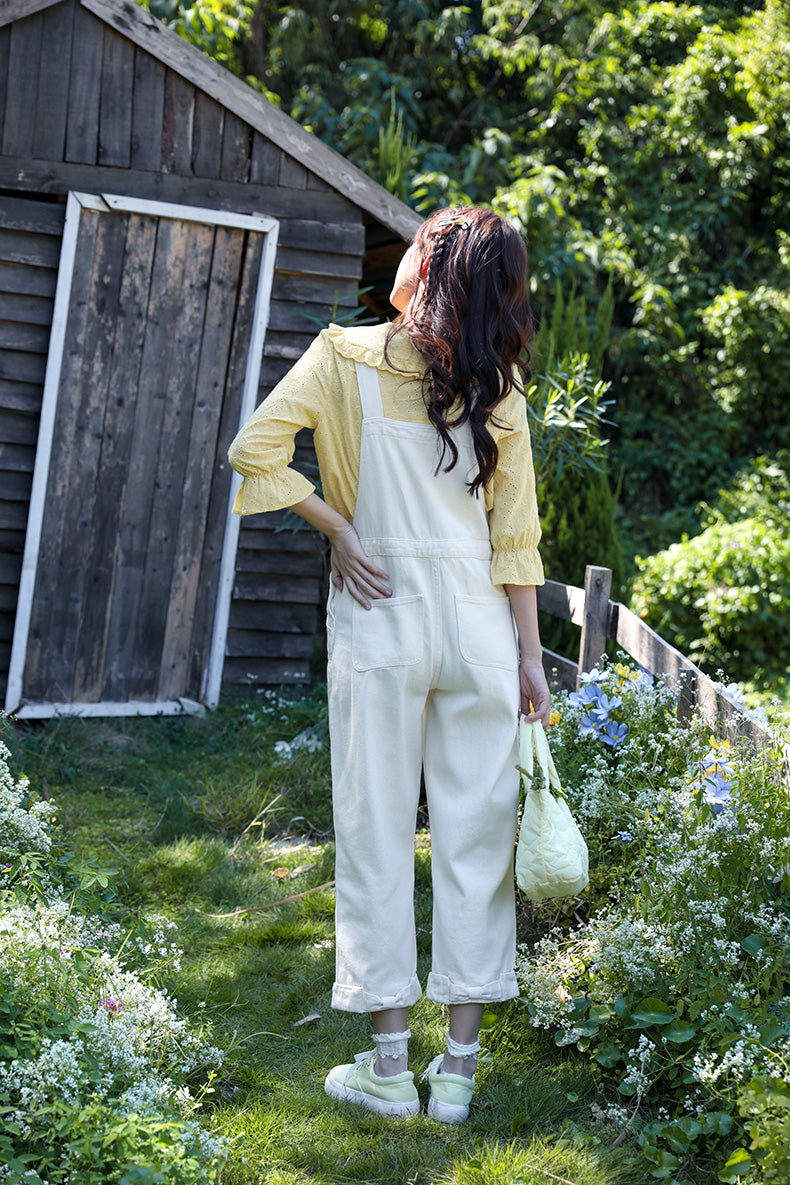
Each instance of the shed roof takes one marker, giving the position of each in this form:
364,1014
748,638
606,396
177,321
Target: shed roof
139,26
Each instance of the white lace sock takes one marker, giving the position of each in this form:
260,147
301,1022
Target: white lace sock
392,1053
460,1059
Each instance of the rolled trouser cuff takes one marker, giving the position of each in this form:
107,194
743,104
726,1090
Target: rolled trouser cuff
445,990
352,998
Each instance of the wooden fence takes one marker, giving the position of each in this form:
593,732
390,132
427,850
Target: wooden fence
601,619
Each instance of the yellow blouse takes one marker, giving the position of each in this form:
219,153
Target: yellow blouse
320,392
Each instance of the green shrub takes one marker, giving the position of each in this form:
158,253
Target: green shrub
765,1103
748,329
721,597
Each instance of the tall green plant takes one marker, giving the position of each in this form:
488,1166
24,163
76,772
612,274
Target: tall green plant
395,155
567,408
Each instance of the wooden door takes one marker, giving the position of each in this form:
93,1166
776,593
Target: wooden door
155,355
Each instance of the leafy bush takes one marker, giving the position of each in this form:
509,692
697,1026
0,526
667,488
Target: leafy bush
765,1104
675,982
95,1062
721,597
748,330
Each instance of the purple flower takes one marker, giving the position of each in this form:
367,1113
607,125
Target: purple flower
623,836
112,1004
598,706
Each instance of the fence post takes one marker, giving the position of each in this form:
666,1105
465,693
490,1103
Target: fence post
687,694
595,627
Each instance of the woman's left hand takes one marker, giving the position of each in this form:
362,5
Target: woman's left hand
535,694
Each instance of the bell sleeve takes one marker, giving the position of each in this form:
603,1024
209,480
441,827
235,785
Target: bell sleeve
263,450
513,520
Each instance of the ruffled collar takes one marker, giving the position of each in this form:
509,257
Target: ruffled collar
365,343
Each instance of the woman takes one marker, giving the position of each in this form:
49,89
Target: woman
422,442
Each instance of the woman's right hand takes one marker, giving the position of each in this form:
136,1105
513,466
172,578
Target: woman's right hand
353,569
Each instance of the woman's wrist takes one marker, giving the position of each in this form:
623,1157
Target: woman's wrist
531,660
321,516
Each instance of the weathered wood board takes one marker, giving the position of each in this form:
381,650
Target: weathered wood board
134,503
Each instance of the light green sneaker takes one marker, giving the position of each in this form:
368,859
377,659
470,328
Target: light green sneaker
359,1083
450,1093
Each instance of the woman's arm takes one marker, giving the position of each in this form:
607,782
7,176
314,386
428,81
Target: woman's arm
351,566
535,694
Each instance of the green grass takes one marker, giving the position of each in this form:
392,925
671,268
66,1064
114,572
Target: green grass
201,820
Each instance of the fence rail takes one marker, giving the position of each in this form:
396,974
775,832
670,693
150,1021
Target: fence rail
601,620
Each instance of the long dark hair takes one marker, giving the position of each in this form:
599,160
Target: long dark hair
472,325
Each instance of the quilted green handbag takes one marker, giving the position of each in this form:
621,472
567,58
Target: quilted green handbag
551,856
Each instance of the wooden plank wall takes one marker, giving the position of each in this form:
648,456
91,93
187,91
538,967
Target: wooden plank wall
30,234
83,108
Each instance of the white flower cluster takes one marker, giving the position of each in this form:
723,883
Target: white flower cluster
544,972
128,1046
160,943
310,739
273,703
638,1061
22,828
54,932
59,1071
615,1114
591,799
744,1058
625,954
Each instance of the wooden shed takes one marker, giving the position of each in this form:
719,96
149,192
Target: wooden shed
166,236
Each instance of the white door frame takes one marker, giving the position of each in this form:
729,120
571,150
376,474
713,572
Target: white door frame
212,677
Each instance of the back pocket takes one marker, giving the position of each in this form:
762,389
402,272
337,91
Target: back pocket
390,634
485,631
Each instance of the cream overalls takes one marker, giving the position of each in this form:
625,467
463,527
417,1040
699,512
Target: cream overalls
427,677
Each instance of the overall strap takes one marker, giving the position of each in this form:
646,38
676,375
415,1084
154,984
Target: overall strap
369,391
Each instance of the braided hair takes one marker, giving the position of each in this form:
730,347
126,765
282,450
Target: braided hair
471,326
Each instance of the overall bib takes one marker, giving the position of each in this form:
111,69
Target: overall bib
427,678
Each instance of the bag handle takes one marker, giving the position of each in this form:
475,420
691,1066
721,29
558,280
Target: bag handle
532,741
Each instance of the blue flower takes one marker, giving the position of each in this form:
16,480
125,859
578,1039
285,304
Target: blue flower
717,790
623,836
717,763
582,699
588,725
614,733
609,705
